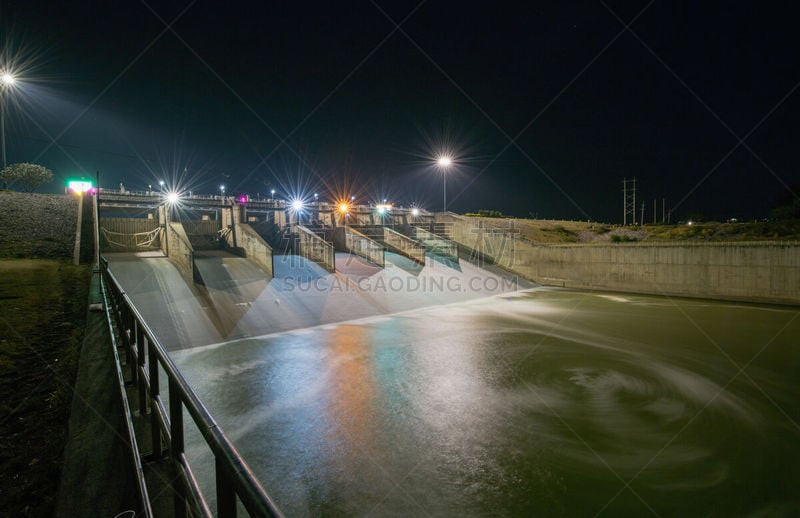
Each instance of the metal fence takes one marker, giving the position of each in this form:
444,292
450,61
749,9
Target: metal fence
434,244
146,359
314,248
405,245
359,244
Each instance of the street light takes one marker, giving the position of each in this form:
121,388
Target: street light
222,191
7,81
161,183
444,162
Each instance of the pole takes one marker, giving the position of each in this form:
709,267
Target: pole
96,216
444,188
3,128
76,252
624,202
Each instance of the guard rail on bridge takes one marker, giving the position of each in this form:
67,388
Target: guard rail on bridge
146,358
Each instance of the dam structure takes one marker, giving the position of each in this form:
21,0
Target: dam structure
366,362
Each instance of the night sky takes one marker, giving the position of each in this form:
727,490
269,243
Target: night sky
545,106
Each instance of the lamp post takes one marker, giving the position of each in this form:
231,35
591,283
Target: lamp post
5,82
222,192
444,162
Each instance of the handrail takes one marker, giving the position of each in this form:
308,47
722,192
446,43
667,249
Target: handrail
141,484
233,476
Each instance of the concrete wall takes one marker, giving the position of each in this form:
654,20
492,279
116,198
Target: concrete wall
178,248
754,272
198,226
255,248
117,234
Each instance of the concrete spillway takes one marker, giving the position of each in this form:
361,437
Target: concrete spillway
238,300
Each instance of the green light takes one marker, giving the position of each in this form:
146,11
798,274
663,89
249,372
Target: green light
79,186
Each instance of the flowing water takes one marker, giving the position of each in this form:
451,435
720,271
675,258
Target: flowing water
542,403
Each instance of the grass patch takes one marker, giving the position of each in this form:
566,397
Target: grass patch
42,316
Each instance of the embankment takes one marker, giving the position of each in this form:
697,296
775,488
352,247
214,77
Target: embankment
42,226
766,272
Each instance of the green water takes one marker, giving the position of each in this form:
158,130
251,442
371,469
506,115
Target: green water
548,403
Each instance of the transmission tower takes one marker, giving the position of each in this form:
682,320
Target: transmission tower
629,201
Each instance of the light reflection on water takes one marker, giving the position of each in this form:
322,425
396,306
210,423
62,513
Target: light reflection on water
542,404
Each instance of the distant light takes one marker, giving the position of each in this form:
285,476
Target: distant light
78,186
444,161
415,212
161,183
272,192
243,198
8,79
383,209
344,208
297,205
690,223
173,197
353,198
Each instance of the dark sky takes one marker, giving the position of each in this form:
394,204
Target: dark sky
546,106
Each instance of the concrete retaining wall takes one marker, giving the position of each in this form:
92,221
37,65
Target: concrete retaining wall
179,250
255,248
746,271
117,234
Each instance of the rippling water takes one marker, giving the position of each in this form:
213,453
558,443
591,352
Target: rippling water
546,403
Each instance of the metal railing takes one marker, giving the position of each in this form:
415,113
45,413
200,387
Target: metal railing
404,244
314,248
359,244
146,357
434,244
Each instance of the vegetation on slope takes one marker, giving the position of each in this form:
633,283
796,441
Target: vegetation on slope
42,316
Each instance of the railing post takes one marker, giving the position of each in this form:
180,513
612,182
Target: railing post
226,493
176,442
155,428
141,354
130,341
